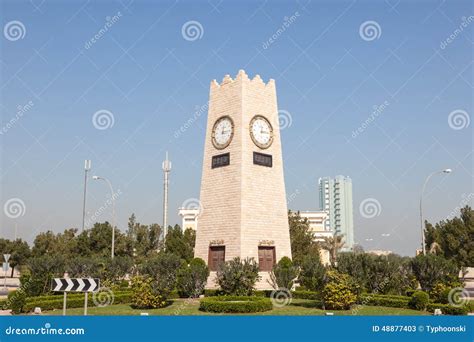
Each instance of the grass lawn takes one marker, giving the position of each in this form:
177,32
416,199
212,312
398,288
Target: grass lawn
182,307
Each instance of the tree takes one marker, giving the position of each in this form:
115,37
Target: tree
378,274
431,269
312,273
162,268
115,269
454,238
64,244
4,245
144,239
284,274
98,241
332,244
189,237
41,270
238,277
192,278
85,266
44,243
177,244
20,252
301,237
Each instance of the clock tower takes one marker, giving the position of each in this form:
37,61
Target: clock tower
243,200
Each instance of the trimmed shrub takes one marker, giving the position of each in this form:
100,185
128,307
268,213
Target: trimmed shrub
213,292
259,293
192,278
235,304
16,301
238,277
447,309
74,300
340,292
403,302
338,296
384,300
419,300
302,294
439,293
144,295
398,297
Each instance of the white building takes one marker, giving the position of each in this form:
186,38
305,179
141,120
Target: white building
189,218
317,220
317,224
379,252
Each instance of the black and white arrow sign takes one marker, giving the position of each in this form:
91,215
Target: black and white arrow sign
75,284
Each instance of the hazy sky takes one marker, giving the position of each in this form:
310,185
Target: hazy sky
148,67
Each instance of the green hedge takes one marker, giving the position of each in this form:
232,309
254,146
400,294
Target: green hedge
403,302
73,301
215,293
305,294
447,309
298,294
381,300
235,304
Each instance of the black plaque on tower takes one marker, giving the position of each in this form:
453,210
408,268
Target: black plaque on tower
220,160
262,159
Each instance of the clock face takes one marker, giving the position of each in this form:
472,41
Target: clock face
261,131
222,132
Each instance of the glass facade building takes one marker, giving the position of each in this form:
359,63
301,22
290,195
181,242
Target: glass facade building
335,197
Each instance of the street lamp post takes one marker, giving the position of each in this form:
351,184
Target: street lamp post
113,209
87,167
423,247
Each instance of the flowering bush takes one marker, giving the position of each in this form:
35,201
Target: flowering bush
145,295
340,291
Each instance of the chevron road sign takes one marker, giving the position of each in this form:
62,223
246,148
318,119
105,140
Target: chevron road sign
75,284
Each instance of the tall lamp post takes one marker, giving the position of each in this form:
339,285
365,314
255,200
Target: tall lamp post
423,247
113,209
166,166
87,167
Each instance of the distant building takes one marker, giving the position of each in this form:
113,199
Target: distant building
316,219
189,217
335,197
317,224
379,252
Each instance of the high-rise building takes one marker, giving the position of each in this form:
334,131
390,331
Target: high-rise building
335,197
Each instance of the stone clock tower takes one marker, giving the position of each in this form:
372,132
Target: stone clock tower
243,200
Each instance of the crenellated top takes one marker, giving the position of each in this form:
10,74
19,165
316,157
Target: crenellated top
241,76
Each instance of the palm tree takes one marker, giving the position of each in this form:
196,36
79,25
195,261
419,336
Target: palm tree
332,244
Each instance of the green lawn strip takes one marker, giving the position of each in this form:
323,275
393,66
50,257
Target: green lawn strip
181,307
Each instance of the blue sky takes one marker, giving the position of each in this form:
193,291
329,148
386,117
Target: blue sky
329,76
